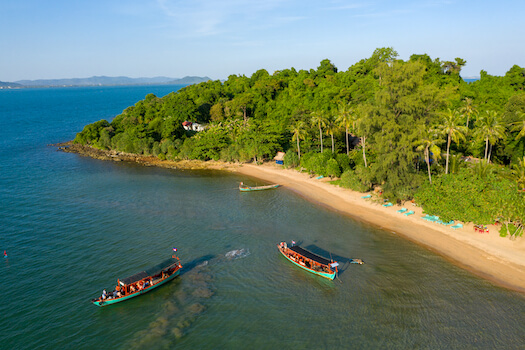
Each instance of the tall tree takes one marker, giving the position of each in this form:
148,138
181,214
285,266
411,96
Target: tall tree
518,171
490,128
468,109
404,102
452,129
331,128
298,130
362,122
519,126
429,144
345,119
319,120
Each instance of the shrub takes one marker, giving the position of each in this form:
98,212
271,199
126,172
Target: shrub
351,180
291,159
332,168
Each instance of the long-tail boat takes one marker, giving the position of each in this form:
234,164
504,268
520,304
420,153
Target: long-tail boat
141,282
245,188
309,261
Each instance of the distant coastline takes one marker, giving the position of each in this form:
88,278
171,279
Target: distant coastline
101,81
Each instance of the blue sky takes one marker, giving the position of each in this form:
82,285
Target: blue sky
46,39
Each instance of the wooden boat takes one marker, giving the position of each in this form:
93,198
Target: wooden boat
309,261
141,282
245,188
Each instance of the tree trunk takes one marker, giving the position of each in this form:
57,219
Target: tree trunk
347,143
332,142
448,153
363,140
490,153
427,160
321,138
298,149
486,147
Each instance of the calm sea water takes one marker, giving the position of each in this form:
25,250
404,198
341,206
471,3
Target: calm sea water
72,225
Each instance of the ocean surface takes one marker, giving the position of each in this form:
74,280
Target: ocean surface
72,225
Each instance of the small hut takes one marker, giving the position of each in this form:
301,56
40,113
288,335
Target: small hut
279,158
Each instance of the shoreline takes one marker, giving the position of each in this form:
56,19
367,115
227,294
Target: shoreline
488,256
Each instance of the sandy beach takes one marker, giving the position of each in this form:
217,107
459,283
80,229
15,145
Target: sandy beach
498,259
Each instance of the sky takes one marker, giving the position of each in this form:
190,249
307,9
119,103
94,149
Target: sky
55,39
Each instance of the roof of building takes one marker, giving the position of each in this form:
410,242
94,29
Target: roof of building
279,156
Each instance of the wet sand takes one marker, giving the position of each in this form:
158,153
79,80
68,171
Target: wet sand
490,256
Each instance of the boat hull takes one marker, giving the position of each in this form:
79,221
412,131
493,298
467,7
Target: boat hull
107,302
258,188
330,276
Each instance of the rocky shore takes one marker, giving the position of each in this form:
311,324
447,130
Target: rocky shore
117,156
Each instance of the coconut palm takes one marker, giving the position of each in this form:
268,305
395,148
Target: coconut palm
519,126
345,119
429,145
468,109
518,170
298,133
450,127
331,128
319,120
362,114
490,128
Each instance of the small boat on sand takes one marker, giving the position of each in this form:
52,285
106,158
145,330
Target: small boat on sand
309,261
141,282
245,188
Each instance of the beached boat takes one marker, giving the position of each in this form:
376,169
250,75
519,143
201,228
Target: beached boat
245,188
141,282
309,261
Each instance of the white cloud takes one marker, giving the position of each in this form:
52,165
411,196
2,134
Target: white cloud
207,18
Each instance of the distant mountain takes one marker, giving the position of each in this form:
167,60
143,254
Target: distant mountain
7,85
103,80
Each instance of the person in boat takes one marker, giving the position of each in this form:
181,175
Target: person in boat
104,295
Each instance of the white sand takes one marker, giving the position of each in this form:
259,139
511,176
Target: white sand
490,256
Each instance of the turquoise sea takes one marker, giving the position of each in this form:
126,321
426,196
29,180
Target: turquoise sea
72,225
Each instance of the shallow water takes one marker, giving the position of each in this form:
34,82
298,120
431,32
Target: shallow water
72,225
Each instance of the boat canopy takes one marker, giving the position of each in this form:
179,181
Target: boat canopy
155,270
309,255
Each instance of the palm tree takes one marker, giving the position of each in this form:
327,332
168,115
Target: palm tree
363,111
519,126
331,128
518,170
450,127
299,132
345,119
319,120
429,145
490,129
468,109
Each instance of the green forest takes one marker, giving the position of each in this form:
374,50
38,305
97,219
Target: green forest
413,128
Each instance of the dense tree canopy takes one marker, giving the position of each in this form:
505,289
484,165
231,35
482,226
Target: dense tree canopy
382,122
